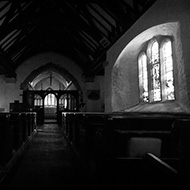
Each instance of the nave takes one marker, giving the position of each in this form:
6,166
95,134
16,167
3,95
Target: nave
50,163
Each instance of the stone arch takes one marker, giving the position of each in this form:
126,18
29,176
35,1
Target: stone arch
53,67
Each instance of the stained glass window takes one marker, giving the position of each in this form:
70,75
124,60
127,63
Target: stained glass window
143,77
155,71
168,79
156,78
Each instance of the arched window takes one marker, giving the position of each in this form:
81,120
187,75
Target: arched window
143,77
50,100
156,79
38,100
68,102
167,77
154,61
63,101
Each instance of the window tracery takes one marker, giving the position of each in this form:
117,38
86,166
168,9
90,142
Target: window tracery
155,65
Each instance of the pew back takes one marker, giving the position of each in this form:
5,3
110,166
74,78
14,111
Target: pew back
119,130
105,141
15,129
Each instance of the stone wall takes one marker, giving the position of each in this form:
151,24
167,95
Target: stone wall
121,79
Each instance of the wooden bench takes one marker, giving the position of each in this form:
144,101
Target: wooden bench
182,131
23,123
15,128
119,128
105,139
6,138
154,125
162,174
83,129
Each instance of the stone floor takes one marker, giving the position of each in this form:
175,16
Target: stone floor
50,163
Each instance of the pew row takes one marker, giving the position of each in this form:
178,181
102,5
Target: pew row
107,140
119,130
16,128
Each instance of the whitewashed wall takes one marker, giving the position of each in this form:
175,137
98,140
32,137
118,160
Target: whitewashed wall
121,80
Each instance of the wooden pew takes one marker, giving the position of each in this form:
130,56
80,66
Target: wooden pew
161,174
119,128
107,136
182,132
6,138
24,124
138,173
15,122
81,129
125,126
16,130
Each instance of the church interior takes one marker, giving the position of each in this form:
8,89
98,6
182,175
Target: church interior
95,94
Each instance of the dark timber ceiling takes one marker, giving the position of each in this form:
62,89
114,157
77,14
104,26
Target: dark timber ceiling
82,30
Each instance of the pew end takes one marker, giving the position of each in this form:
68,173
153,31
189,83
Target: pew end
162,173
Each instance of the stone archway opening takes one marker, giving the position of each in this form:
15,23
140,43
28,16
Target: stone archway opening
50,106
45,87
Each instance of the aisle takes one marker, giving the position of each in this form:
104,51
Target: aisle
50,164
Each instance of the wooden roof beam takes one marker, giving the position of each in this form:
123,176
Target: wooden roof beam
113,27
18,21
90,20
77,20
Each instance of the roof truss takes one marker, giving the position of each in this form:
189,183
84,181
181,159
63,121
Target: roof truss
82,30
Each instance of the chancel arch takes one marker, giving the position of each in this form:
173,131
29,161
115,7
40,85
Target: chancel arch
48,69
50,90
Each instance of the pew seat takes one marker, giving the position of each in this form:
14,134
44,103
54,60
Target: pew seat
116,144
149,172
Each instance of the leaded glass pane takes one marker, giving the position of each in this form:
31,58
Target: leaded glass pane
168,71
155,72
143,77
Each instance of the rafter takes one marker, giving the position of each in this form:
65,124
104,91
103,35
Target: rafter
111,24
82,30
19,21
115,8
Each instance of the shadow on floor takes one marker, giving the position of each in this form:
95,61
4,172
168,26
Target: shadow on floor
50,163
